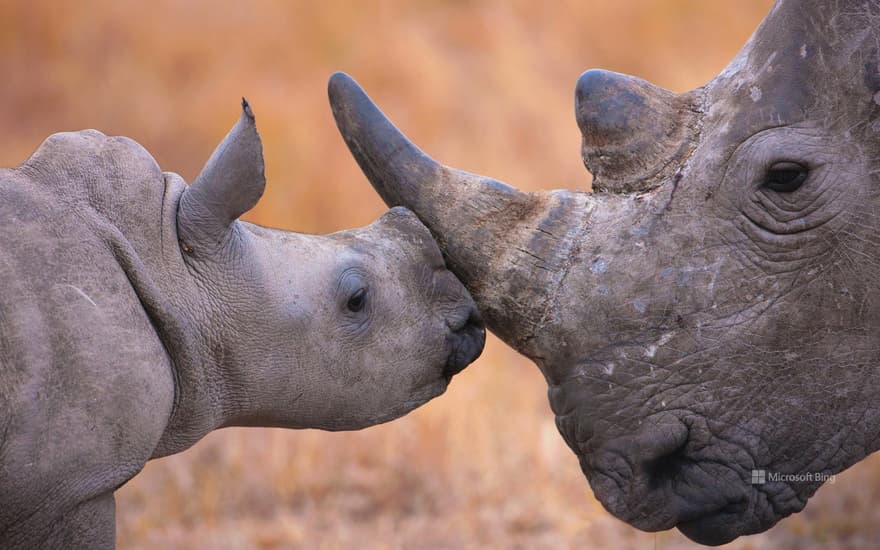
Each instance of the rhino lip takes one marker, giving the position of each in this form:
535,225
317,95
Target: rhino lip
714,527
654,480
467,341
657,504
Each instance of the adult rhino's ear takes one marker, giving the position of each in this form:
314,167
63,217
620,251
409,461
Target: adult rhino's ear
229,185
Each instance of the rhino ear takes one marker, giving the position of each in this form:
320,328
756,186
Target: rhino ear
229,185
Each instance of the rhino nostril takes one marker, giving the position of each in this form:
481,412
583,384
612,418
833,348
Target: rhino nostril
474,320
654,457
462,320
664,469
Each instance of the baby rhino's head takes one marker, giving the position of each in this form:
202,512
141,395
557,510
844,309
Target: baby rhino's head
337,331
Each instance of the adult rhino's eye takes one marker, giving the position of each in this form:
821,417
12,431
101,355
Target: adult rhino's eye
785,177
357,301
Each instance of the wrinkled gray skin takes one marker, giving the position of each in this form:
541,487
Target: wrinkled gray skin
693,321
137,315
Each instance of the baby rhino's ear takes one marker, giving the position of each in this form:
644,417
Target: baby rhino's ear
229,185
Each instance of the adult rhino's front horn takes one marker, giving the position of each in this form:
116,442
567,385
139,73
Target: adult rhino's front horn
712,311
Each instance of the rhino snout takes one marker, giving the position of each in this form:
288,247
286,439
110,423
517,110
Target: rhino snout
454,304
672,472
467,339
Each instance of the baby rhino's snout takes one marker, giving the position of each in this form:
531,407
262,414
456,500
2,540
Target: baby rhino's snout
467,339
467,333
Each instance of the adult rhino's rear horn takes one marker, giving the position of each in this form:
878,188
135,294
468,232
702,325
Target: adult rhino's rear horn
631,130
508,247
230,184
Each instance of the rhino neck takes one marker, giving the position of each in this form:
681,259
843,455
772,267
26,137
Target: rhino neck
168,295
150,255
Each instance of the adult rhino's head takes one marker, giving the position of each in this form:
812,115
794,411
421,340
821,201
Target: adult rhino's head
336,331
711,311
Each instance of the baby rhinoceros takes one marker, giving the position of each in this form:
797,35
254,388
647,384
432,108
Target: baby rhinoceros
137,314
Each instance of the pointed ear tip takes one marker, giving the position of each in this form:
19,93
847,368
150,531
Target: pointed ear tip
246,108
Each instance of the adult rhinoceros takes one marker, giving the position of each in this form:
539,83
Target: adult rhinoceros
708,321
137,314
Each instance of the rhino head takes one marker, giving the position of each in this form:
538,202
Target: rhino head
338,331
711,310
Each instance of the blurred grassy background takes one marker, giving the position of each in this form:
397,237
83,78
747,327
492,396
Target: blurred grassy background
484,86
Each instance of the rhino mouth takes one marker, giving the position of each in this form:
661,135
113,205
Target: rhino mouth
466,340
669,474
720,526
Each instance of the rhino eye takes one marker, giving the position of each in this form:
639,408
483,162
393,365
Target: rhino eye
785,177
357,301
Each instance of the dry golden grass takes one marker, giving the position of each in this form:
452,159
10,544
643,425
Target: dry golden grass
486,86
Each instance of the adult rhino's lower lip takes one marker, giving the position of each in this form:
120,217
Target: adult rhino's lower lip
719,527
468,340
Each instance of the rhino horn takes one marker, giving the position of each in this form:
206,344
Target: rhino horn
637,135
230,184
507,246
631,130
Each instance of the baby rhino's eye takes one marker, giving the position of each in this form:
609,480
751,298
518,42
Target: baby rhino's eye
357,301
785,177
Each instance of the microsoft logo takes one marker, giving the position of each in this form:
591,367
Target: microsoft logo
759,477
